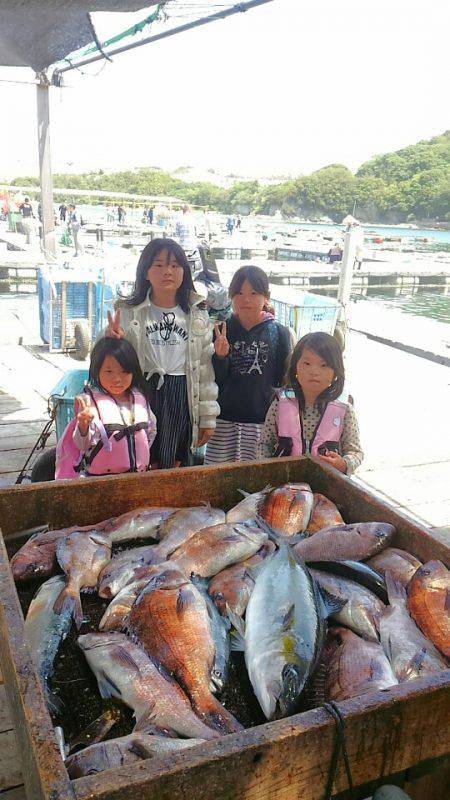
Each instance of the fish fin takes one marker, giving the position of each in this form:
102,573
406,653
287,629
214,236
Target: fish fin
447,601
184,599
244,493
238,634
140,749
288,618
126,659
395,590
416,661
146,720
68,601
199,582
255,569
273,535
330,603
106,686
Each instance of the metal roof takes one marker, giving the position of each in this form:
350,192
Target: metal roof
38,33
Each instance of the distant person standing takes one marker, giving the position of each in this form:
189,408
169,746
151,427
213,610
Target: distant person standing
120,214
62,212
230,225
335,253
238,221
74,225
150,215
26,210
185,230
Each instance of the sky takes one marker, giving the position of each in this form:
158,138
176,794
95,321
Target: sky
283,89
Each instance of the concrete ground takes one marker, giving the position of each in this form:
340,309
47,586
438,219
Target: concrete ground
401,400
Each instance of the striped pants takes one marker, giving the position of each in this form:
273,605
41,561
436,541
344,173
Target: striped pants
233,441
174,429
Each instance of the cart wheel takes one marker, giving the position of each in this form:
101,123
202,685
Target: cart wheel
44,467
339,335
82,340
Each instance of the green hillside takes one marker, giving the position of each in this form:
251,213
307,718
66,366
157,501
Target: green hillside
407,185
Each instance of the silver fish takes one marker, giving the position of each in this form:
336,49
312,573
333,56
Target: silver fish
140,523
116,615
356,541
183,524
410,653
249,507
122,752
284,632
362,609
122,568
212,549
45,631
220,632
81,556
355,667
125,671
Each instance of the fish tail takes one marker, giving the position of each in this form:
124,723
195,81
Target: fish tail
214,715
69,601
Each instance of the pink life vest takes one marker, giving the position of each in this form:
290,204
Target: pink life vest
121,448
328,429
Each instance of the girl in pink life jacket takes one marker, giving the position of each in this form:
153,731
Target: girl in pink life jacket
113,427
307,416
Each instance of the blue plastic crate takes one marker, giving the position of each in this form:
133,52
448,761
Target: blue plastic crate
63,395
304,312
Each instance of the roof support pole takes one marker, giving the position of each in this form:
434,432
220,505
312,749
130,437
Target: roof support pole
45,169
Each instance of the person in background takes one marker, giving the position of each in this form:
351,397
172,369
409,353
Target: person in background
238,221
171,331
230,225
120,214
250,356
307,416
74,226
62,212
150,215
114,426
185,229
26,209
335,253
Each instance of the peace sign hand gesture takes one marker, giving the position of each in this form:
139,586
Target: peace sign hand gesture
84,412
114,331
221,344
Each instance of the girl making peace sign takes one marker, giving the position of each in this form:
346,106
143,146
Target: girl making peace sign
171,332
250,353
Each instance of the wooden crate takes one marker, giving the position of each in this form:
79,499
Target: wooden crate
386,733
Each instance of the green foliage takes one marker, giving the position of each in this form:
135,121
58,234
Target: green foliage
413,183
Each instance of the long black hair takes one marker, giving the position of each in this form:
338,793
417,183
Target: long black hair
326,347
142,285
124,353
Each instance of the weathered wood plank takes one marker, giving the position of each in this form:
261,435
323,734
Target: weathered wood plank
44,774
288,759
14,794
13,460
10,766
6,723
25,441
17,429
434,785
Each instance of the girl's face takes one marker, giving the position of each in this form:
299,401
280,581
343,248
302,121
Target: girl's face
113,377
313,374
165,273
248,304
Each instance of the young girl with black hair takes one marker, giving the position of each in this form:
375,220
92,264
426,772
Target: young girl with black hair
113,427
166,322
307,416
250,356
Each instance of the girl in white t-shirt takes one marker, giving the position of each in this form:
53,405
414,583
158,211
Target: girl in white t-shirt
167,324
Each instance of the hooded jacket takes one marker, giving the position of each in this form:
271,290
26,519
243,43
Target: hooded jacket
255,365
201,386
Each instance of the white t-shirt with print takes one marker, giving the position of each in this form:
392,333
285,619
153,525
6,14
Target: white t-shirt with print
166,337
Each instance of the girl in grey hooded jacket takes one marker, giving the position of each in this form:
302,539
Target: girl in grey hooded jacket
165,321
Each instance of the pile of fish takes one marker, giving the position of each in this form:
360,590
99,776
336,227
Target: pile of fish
322,610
